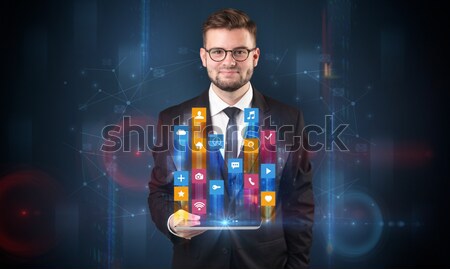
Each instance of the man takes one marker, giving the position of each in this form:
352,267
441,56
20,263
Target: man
230,56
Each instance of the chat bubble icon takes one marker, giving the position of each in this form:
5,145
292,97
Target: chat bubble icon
234,165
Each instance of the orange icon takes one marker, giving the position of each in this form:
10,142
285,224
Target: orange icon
267,198
181,193
199,114
251,145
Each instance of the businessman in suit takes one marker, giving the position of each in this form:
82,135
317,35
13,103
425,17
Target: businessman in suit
230,55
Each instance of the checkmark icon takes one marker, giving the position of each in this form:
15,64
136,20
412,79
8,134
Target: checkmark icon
268,137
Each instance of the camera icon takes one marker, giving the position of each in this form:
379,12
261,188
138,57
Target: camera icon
198,176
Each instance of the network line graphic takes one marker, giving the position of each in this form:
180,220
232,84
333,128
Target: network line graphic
111,178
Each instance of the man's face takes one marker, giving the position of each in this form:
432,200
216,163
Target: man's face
229,74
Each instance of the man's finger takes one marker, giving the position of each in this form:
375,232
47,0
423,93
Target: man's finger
182,214
187,223
193,217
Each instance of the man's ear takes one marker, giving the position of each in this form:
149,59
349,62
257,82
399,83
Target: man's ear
203,55
256,55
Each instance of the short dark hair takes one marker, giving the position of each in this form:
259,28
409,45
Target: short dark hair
229,18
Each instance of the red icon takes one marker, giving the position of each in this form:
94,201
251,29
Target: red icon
199,206
198,176
251,181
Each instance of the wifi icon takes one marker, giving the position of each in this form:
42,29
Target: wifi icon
199,206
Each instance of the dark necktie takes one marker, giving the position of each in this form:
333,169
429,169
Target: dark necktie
231,146
231,149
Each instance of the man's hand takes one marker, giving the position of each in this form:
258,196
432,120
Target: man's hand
184,218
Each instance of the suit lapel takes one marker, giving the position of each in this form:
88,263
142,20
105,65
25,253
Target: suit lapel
266,119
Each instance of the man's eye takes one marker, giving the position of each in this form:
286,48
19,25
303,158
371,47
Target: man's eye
216,52
240,52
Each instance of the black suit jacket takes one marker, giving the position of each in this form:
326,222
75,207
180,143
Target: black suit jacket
282,243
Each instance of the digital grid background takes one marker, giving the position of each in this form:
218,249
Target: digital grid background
73,67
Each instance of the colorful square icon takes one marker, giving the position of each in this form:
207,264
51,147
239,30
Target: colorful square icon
269,137
199,144
268,170
235,166
268,140
216,187
199,114
251,115
198,176
252,131
181,132
198,206
251,145
181,193
215,142
181,137
181,178
267,198
251,181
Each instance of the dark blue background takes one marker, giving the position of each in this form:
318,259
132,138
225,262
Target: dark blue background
57,55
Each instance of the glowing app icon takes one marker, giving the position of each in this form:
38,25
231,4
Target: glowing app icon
181,193
216,187
181,130
268,140
181,178
251,115
199,145
268,170
215,142
235,166
251,145
181,137
267,198
251,181
199,206
199,114
198,176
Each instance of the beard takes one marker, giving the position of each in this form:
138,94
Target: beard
231,86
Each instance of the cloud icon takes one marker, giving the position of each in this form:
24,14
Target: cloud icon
181,132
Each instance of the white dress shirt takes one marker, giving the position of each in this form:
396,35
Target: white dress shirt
220,119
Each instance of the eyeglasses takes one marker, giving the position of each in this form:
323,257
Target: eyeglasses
238,54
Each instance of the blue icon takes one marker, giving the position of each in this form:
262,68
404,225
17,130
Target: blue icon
216,187
215,142
251,115
181,131
181,178
267,170
181,135
252,131
235,166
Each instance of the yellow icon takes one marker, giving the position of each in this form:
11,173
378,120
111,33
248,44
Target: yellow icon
181,193
251,145
199,114
199,145
267,198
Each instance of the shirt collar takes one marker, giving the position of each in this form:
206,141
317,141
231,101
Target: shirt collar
217,104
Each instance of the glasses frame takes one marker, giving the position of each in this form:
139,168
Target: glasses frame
231,51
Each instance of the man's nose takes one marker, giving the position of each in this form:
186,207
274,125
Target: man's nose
229,60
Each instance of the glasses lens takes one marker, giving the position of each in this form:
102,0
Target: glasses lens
240,54
217,54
